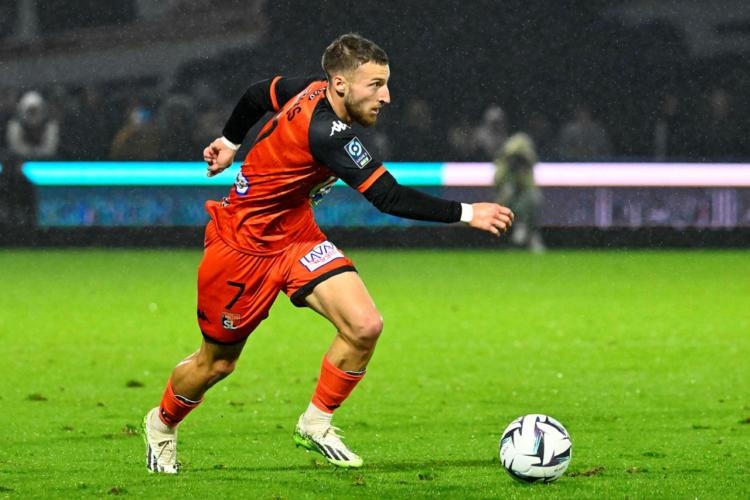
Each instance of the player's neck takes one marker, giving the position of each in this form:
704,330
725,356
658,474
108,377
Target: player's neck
337,104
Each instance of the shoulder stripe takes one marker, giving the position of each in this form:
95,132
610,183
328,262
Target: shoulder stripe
274,99
371,180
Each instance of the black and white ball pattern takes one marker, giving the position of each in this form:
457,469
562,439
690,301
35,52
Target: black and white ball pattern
535,448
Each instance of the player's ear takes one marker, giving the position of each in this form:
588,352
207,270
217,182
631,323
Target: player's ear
339,85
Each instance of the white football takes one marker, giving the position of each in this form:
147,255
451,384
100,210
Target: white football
535,448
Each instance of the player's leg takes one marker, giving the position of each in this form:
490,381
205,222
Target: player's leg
187,384
344,300
235,293
193,376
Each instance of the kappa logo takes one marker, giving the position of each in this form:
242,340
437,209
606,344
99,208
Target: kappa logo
202,316
357,153
338,126
320,256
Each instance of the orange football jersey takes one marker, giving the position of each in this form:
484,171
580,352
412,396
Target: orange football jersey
296,158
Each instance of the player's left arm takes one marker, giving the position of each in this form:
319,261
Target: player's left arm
345,154
390,197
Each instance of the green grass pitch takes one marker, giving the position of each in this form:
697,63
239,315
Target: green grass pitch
643,355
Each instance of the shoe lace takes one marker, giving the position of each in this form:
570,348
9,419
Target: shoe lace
167,451
333,436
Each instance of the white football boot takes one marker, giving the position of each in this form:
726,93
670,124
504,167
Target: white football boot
326,441
161,447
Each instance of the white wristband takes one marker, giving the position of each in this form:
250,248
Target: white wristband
467,212
230,144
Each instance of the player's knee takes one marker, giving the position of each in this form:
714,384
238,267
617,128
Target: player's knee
221,368
367,330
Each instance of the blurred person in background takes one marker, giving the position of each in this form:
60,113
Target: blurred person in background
262,239
17,196
583,138
670,140
719,134
515,187
457,139
210,112
8,102
419,142
32,134
87,126
542,133
175,122
488,137
478,142
20,140
138,138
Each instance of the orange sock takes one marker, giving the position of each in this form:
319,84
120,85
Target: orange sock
174,408
334,386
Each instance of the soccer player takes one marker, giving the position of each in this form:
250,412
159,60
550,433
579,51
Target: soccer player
262,239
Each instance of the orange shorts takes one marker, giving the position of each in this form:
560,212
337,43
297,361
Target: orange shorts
236,289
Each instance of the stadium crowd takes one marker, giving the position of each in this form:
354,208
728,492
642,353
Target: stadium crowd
618,93
139,121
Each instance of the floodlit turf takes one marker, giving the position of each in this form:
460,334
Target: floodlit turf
643,356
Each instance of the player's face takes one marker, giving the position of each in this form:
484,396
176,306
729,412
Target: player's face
367,92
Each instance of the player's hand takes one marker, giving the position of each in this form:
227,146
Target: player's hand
492,218
219,157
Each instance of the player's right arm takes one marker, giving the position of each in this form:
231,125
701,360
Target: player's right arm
260,98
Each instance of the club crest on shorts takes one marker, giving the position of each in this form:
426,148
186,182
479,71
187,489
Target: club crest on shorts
320,256
357,153
229,320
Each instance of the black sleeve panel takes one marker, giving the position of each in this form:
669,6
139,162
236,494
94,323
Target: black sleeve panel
286,88
251,107
256,102
392,198
335,144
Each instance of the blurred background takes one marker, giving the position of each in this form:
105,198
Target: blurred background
632,82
